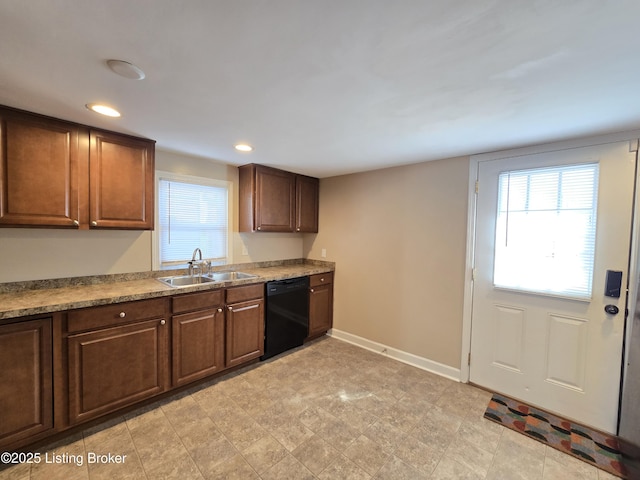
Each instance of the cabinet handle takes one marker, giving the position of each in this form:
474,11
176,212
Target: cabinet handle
76,223
94,224
219,310
163,321
122,315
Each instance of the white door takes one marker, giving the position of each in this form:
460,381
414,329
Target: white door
549,226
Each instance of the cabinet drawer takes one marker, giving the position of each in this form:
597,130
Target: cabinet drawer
240,294
320,279
197,301
98,317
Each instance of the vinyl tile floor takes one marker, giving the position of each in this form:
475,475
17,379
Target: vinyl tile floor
328,410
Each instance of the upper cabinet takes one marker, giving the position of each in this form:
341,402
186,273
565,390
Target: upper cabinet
307,194
58,174
121,173
39,163
273,200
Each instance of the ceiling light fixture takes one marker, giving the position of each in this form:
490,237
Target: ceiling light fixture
243,147
126,69
103,109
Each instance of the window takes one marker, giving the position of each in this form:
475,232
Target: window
193,212
546,229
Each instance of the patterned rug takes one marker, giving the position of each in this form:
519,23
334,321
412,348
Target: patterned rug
596,448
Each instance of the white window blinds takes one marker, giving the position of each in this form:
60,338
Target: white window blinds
546,230
191,215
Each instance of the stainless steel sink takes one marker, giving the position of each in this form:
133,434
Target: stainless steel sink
185,280
228,276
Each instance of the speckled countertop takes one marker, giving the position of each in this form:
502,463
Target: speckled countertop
22,299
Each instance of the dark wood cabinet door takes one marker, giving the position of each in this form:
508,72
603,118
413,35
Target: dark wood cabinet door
307,196
275,200
245,331
198,345
121,183
39,162
320,303
26,405
114,367
320,309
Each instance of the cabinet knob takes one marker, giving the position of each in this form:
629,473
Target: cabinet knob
230,307
298,229
219,310
94,224
163,321
76,223
259,228
322,279
312,290
122,315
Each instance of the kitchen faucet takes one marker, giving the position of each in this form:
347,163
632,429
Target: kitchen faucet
196,264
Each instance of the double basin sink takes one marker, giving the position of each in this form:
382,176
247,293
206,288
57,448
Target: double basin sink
186,280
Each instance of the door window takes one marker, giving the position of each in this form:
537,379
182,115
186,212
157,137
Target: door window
546,229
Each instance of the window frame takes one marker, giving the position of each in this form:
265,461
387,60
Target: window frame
197,180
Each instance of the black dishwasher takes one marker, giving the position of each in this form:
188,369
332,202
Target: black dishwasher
287,319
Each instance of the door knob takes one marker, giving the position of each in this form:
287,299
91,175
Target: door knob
611,309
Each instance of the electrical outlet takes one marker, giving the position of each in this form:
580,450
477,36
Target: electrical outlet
323,253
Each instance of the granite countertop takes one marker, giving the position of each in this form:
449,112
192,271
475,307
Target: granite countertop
22,299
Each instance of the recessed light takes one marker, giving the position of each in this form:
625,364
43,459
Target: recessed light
243,147
126,69
103,109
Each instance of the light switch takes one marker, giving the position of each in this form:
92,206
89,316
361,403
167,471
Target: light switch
323,253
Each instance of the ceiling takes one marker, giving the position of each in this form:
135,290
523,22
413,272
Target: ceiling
327,87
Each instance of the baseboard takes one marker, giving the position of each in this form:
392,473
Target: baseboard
404,357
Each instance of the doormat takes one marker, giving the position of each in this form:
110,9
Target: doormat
596,448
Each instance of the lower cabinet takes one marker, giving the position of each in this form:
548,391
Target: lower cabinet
320,304
114,364
26,404
112,356
245,324
215,330
197,336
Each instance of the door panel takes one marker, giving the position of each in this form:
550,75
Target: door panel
559,353
509,330
566,351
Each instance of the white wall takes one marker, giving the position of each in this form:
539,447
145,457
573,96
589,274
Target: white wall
35,254
398,237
